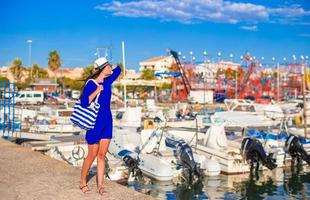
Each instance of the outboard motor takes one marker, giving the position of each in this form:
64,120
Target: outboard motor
178,115
253,151
185,156
131,160
296,150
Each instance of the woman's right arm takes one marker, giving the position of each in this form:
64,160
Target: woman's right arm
91,90
95,93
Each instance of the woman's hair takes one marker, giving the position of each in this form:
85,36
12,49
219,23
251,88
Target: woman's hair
91,76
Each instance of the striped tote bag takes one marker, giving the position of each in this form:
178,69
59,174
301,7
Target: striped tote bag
85,118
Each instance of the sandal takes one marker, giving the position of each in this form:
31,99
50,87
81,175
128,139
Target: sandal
101,191
84,191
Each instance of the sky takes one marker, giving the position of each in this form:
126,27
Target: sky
76,28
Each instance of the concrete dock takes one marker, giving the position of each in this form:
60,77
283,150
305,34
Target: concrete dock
25,174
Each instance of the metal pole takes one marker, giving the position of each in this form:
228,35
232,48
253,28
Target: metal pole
278,82
204,92
155,91
98,56
124,66
236,84
304,97
29,58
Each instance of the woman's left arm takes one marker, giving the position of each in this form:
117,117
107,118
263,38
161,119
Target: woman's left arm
116,72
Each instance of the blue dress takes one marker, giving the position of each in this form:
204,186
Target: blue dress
104,124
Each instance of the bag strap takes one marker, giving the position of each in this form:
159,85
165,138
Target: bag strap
97,98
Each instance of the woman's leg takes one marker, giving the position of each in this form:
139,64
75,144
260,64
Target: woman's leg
103,148
88,161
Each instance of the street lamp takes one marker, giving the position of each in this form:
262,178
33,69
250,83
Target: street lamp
231,57
241,59
194,58
294,58
236,78
205,56
278,77
191,56
29,42
219,54
302,58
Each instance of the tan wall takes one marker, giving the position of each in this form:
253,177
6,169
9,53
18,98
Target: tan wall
44,88
74,73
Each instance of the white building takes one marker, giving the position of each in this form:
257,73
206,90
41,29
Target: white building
157,64
131,74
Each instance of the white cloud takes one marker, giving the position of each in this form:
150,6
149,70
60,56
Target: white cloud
249,28
191,11
291,11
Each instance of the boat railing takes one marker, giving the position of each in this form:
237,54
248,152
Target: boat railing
8,118
233,104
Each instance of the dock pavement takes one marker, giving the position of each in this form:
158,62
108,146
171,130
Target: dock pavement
30,175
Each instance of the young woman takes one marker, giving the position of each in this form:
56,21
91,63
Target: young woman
98,139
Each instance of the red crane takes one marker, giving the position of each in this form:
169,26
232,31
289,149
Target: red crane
181,88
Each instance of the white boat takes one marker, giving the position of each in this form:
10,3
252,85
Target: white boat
58,129
246,114
215,146
127,143
155,167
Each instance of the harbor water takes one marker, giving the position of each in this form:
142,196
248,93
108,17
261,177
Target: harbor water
277,184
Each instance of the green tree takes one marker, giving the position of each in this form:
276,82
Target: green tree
4,79
147,74
23,85
54,62
166,86
16,68
87,71
38,71
122,67
73,84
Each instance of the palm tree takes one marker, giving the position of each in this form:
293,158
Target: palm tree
54,63
16,68
87,71
39,72
147,74
120,64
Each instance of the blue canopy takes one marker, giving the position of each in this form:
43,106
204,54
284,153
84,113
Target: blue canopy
175,74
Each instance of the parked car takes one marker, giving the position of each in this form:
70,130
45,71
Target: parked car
61,99
50,98
30,97
75,94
